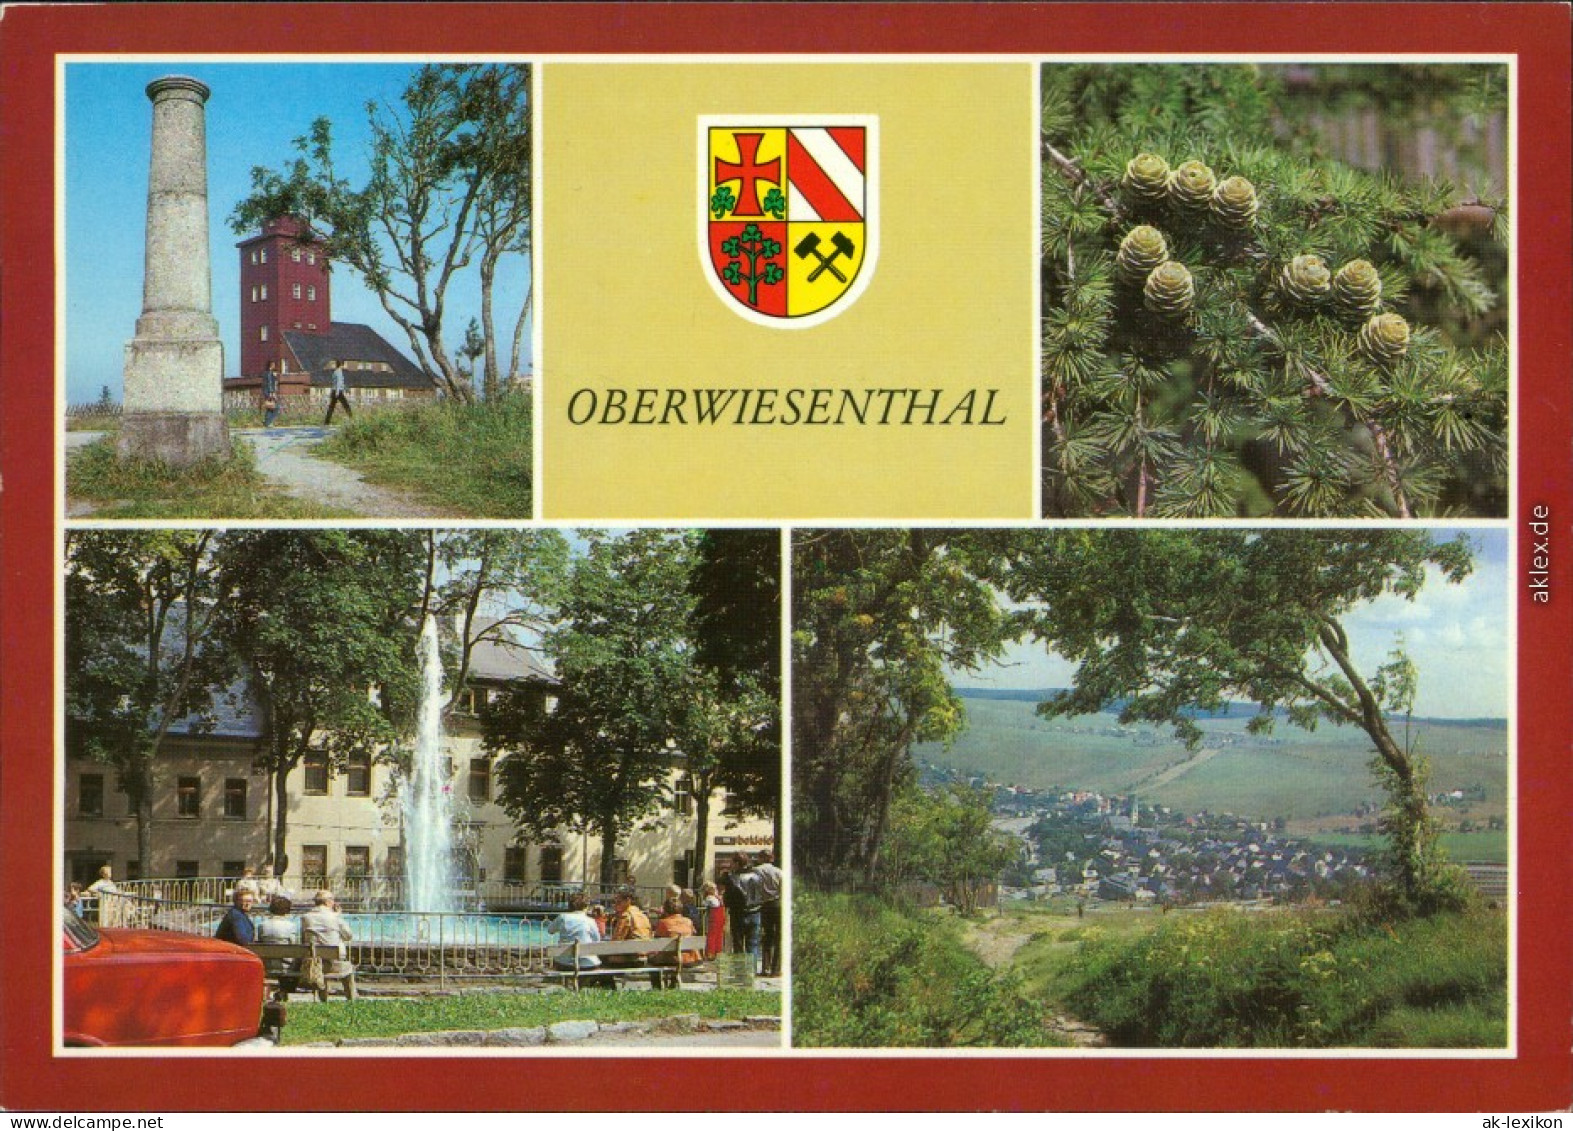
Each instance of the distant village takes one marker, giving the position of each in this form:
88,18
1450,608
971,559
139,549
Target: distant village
1092,846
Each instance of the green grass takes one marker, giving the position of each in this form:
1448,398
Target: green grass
1228,979
473,460
147,489
867,973
1291,773
1484,847
93,422
370,1017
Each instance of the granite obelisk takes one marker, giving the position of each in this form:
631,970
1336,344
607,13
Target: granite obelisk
174,401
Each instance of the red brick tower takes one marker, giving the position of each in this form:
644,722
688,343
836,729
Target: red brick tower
283,286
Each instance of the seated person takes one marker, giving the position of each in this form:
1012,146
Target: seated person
279,926
323,926
628,923
674,924
572,926
236,926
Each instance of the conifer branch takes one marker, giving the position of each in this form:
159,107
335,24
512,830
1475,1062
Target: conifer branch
1076,175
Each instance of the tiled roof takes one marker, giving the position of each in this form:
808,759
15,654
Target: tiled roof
352,342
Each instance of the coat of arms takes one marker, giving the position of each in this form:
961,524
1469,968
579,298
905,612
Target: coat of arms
787,230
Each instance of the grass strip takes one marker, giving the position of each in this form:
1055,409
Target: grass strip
217,489
473,460
372,1017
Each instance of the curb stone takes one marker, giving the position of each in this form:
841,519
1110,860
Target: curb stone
720,1025
565,1031
516,1037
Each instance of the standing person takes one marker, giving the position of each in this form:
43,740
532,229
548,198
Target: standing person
267,886
107,909
770,915
248,882
270,395
748,896
338,396
714,926
236,926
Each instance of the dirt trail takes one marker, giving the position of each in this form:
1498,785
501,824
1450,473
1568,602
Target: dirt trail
1201,757
996,940
284,457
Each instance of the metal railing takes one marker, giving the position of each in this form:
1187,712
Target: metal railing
386,893
401,944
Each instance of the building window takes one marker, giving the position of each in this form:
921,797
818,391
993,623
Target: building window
253,255
480,780
311,294
294,254
515,859
358,774
314,865
551,864
393,863
233,868
683,796
262,333
253,292
187,869
188,797
133,869
357,861
295,291
316,772
235,799
311,257
262,255
264,289
90,795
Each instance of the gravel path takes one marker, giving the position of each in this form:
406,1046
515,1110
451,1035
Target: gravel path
284,457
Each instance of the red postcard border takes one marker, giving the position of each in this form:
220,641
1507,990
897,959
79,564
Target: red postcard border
1540,1077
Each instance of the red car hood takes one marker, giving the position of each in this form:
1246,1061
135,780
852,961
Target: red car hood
126,943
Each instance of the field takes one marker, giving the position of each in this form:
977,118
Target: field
1302,776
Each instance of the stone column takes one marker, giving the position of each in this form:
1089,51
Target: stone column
174,375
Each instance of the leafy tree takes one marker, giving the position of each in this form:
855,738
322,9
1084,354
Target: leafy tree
140,613
1237,324
1166,623
945,837
736,585
879,617
325,623
492,586
602,760
449,185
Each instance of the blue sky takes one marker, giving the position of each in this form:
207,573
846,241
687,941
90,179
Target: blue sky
1457,636
255,113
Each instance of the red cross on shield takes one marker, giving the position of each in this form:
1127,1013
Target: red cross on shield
788,232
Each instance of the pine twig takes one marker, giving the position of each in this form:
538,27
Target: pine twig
1076,175
1324,388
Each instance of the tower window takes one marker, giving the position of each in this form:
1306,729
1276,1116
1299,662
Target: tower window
311,294
262,255
295,291
262,333
294,254
311,257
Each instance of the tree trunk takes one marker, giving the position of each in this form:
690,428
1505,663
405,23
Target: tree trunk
489,382
608,852
142,799
518,335
703,788
280,819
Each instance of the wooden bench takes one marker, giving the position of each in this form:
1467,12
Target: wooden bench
294,953
648,952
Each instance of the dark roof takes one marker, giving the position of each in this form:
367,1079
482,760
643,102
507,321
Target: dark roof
507,660
353,341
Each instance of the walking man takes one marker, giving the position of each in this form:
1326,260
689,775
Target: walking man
338,397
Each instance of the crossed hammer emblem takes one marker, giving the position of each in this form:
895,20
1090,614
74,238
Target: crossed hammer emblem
840,245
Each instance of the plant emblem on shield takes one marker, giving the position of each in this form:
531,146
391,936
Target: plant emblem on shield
788,233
